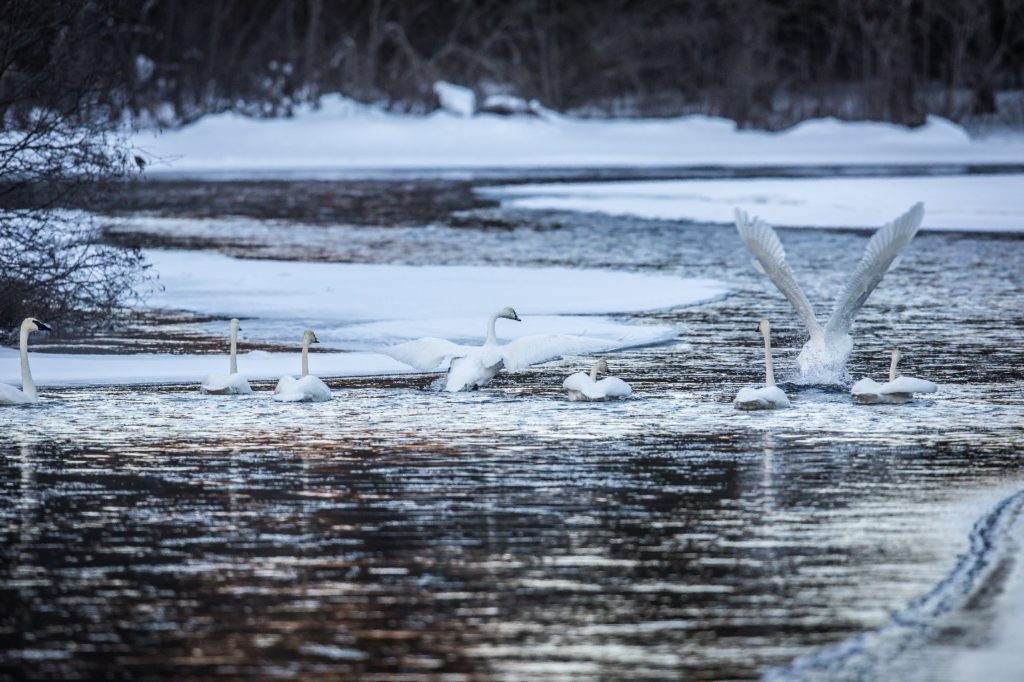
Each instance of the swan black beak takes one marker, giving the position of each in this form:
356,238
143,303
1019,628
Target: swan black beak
515,316
43,326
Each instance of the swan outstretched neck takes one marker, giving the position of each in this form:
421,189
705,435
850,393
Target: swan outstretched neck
769,396
307,388
231,383
587,387
9,395
896,391
823,358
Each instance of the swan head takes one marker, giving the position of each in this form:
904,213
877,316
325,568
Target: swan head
234,325
508,313
31,324
309,336
764,326
601,366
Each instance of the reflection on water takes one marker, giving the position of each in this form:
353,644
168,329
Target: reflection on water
510,532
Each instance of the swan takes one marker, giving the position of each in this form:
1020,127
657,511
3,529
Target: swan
896,391
583,386
9,395
471,367
769,396
824,355
232,383
307,388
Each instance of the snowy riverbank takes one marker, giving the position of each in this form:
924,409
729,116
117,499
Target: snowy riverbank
988,203
343,134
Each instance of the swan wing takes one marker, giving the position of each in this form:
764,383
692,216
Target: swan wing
909,385
614,387
761,240
530,350
9,395
878,256
427,353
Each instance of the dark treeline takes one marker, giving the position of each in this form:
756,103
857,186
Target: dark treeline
764,63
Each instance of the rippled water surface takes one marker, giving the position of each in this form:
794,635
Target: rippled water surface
397,532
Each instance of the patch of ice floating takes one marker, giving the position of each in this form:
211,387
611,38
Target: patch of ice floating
363,308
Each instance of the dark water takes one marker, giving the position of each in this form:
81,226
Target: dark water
508,533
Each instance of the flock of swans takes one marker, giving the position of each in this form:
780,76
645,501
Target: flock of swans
822,359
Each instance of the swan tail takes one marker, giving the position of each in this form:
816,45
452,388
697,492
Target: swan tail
770,259
879,254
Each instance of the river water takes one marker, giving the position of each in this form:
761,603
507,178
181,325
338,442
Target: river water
400,533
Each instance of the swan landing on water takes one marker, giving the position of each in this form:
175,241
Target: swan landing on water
583,386
896,391
823,358
471,367
9,395
769,396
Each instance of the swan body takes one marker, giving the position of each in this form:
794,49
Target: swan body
9,395
896,391
232,383
307,388
823,357
471,367
583,386
769,396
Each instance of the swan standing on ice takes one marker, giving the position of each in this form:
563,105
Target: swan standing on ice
583,386
898,390
474,366
823,358
232,383
9,395
769,396
307,388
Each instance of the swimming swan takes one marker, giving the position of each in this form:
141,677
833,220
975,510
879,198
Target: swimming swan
474,366
898,390
583,386
232,383
9,395
823,358
307,388
769,396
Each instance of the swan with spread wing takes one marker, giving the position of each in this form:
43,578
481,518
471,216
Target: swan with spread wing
471,367
823,358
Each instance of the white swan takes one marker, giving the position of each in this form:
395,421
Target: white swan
769,396
823,358
9,395
307,388
583,386
232,383
896,391
474,366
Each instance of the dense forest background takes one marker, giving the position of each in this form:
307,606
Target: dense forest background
764,63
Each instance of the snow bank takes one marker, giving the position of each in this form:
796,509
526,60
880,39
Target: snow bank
963,202
343,134
363,308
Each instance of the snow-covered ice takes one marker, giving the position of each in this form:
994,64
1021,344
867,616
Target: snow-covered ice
344,134
963,202
363,308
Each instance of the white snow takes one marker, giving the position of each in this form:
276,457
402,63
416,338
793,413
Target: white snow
963,202
455,99
343,134
363,308
57,369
